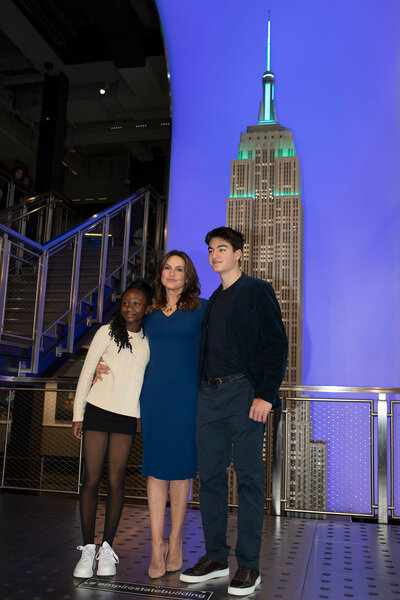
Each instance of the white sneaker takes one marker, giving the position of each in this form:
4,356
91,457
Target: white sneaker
107,559
84,567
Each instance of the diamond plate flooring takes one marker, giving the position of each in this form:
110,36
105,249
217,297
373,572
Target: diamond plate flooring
301,559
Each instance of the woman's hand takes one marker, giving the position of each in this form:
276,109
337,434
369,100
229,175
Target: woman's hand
77,429
101,369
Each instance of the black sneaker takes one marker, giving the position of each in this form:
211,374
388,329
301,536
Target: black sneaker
203,570
244,582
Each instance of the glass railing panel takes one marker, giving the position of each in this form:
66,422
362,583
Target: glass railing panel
39,454
115,254
59,276
329,456
21,292
90,262
395,453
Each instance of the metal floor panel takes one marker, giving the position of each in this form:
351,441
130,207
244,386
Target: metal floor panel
301,559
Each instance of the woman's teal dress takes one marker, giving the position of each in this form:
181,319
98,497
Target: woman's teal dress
168,400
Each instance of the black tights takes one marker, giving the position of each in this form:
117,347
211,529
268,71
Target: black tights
117,446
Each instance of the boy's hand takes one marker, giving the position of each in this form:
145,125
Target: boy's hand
260,410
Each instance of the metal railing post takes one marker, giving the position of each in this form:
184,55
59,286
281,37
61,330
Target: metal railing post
125,254
23,222
6,439
39,313
145,232
10,194
80,466
103,269
277,463
40,226
48,224
73,297
5,264
382,460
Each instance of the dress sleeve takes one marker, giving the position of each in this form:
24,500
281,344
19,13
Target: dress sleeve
98,346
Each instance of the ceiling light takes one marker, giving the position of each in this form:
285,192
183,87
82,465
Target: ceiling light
102,91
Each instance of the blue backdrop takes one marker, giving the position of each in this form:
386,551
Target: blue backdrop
336,69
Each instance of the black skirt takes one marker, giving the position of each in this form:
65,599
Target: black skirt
97,419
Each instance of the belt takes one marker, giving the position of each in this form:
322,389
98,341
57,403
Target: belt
214,381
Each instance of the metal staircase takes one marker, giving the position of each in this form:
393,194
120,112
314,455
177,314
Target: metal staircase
53,296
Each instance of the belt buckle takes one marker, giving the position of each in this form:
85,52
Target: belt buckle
214,381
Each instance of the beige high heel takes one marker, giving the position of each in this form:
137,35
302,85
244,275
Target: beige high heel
155,573
177,564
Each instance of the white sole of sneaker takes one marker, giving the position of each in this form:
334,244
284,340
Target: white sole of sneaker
79,574
106,572
200,578
244,591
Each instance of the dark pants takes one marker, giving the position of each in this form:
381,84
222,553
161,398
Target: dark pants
223,420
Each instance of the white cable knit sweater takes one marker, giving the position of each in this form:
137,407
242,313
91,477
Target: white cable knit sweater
119,391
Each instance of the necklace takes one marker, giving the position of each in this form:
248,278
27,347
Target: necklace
169,308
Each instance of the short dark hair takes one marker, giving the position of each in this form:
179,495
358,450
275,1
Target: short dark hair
141,285
235,238
118,331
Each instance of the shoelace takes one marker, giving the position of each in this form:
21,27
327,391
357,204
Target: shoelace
87,555
107,553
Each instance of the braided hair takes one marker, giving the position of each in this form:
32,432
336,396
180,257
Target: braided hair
118,331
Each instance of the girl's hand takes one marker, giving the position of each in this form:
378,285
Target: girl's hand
77,429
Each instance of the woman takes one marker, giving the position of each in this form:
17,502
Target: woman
168,403
106,412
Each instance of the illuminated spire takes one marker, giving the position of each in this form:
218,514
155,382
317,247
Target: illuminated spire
269,43
267,109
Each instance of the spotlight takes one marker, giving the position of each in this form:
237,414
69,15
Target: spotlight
102,91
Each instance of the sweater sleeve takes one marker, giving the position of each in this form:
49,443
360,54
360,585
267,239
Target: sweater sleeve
98,346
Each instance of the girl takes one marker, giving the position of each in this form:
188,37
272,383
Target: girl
105,414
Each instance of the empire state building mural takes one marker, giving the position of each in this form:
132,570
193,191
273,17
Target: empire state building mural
265,205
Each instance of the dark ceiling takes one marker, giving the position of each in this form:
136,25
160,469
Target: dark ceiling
97,30
112,44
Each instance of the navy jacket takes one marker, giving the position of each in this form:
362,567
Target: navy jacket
256,329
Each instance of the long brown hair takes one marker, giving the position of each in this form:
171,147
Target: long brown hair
189,298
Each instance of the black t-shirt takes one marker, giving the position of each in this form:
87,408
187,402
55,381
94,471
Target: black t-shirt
220,359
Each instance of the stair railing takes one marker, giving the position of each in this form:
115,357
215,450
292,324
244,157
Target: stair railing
50,294
40,217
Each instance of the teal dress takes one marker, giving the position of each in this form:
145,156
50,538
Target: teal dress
168,401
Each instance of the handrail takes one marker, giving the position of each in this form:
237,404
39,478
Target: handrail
283,388
87,224
69,297
92,221
53,195
20,238
340,389
95,219
43,216
380,420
